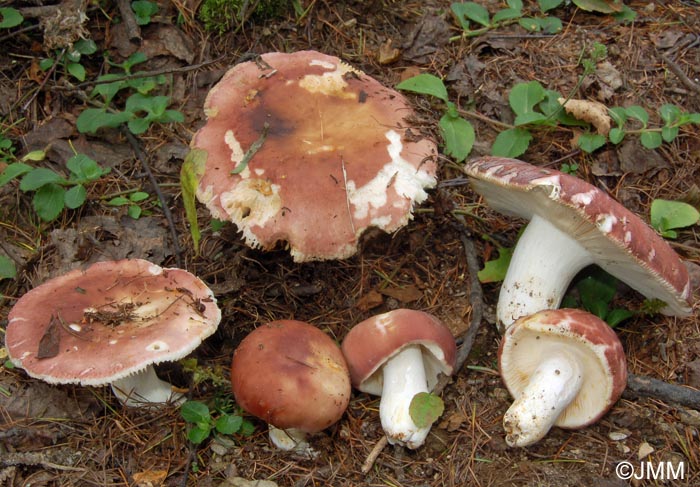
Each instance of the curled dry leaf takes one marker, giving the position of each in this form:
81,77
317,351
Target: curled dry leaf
592,112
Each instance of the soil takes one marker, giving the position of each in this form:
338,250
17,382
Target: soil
70,435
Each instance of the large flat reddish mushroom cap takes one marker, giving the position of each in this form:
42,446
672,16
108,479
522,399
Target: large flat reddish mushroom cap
618,240
370,343
291,375
532,337
109,321
338,154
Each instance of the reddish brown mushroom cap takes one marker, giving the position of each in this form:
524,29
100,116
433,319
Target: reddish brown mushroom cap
616,239
291,375
335,154
588,339
109,321
369,344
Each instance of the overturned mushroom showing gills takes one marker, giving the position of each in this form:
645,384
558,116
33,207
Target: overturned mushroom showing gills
564,368
109,324
304,149
573,224
294,377
397,355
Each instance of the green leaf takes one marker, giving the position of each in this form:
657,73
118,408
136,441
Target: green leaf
669,134
247,428
511,143
425,409
591,142
228,424
651,140
39,177
596,292
190,173
8,270
144,10
506,14
616,135
13,171
425,84
85,46
619,115
472,11
547,5
530,24
524,96
515,4
531,118
48,201
170,116
601,6
638,113
84,168
198,434
195,412
11,17
138,196
35,155
617,316
551,25
76,70
666,215
108,90
75,196
45,64
669,113
91,120
458,135
119,201
134,211
495,270
138,125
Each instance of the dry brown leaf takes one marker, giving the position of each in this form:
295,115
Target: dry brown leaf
405,294
592,112
150,478
370,300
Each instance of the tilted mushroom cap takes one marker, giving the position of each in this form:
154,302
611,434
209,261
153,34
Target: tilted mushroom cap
608,234
291,375
330,153
109,321
578,336
369,344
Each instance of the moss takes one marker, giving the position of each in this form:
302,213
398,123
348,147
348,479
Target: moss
218,16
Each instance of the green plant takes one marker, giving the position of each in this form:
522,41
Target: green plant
467,12
8,270
221,419
495,269
425,409
666,216
132,201
218,16
569,168
7,150
651,137
49,187
11,17
144,10
594,293
141,109
70,58
457,133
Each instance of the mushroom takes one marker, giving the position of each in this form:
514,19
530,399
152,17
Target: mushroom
294,377
572,225
564,368
304,149
397,355
109,324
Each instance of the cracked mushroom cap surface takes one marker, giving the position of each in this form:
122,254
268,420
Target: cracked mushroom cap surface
330,152
292,375
618,240
109,321
594,343
372,342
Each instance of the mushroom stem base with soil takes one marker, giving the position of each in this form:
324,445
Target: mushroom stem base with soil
544,262
403,378
290,439
554,384
145,387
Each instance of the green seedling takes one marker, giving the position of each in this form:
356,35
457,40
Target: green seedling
667,216
457,133
141,109
10,17
52,191
191,171
595,294
472,12
571,169
203,421
651,137
70,58
132,201
425,409
143,11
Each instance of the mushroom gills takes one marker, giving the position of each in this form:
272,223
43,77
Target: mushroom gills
403,377
552,387
145,387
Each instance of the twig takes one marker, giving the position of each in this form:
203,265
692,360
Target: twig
164,205
43,81
682,77
639,385
133,31
374,454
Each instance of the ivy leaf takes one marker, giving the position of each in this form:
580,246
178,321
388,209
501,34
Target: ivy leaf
458,135
425,409
425,84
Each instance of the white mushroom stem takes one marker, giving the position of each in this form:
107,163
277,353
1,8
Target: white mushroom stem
544,262
145,388
554,384
403,378
289,439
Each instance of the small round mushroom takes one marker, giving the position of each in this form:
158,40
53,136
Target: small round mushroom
294,377
302,148
109,324
572,225
564,368
397,355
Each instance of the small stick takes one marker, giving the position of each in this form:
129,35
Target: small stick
639,385
682,77
133,31
372,457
